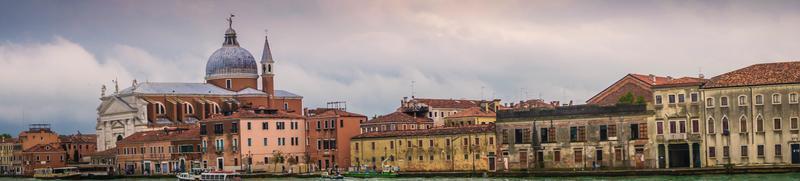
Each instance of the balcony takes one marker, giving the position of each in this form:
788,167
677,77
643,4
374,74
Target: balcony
676,136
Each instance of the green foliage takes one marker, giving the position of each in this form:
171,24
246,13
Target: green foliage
5,135
630,99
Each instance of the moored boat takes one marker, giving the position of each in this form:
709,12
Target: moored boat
57,173
220,176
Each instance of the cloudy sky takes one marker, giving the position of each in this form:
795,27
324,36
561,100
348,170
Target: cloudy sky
55,55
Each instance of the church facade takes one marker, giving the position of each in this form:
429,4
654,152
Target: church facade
232,76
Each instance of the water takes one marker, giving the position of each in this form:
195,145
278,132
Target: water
766,177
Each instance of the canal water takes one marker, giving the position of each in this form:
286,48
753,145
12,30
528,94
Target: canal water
762,177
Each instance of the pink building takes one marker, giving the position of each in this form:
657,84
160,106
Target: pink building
273,142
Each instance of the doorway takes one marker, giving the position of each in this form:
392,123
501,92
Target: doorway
678,155
220,165
662,162
795,153
696,154
491,163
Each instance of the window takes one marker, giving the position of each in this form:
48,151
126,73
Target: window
726,151
709,102
249,142
635,131
573,134
743,124
710,125
603,133
280,125
557,156
694,97
203,131
695,126
265,125
776,123
671,99
285,106
759,124
673,128
659,127
778,151
160,109
266,142
744,150
215,108
793,98
578,156
725,126
793,123
681,98
188,108
759,99
658,99
723,102
228,83
776,98
544,135
742,100
760,150
249,126
234,127
518,136
682,126
341,123
218,128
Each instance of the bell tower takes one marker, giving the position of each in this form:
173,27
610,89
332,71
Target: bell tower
267,69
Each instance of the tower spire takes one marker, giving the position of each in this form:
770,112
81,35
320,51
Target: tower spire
266,56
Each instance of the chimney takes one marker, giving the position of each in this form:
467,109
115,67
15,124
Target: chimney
652,78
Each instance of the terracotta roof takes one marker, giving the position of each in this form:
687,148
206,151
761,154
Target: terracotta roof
397,117
54,147
8,140
481,128
758,74
683,81
78,138
167,134
327,112
654,80
107,152
448,103
252,114
647,82
473,112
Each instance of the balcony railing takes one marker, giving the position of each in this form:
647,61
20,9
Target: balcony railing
676,136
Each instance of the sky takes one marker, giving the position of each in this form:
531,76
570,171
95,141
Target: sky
55,55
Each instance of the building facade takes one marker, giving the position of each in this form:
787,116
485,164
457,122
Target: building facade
7,148
575,137
436,109
42,156
159,152
396,121
78,147
440,149
255,141
638,85
751,116
471,116
678,127
231,82
329,132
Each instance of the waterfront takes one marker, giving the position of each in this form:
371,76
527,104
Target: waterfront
714,177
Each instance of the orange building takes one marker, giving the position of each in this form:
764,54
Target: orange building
42,156
329,132
161,152
37,134
232,76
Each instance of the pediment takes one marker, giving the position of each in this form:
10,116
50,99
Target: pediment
115,105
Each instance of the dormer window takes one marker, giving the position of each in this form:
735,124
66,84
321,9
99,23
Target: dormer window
228,83
160,109
215,108
188,108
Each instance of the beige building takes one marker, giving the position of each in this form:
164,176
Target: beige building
436,109
7,148
751,116
678,129
575,137
471,116
441,149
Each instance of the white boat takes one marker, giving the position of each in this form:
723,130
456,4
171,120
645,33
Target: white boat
193,175
57,173
220,176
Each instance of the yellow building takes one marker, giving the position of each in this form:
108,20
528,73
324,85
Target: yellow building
471,116
467,148
7,148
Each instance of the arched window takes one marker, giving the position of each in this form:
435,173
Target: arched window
725,127
160,109
776,98
188,108
759,124
215,109
759,100
710,125
709,102
119,137
742,100
743,124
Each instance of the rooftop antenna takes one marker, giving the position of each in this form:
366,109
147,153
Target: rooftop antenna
412,89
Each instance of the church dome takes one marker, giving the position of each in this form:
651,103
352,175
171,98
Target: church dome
231,61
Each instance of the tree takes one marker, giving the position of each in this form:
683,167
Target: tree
640,100
277,157
5,135
626,99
